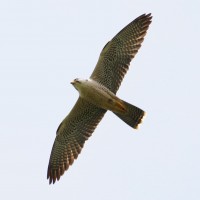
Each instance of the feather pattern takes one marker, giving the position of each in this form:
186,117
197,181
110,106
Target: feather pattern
117,54
72,133
81,122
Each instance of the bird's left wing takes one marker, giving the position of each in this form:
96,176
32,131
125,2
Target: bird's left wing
117,54
72,133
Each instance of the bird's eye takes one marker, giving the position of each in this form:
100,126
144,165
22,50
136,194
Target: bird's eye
77,80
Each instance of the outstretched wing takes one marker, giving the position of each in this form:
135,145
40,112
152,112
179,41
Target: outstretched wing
117,54
72,133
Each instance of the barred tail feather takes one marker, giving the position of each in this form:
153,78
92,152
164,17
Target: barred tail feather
133,115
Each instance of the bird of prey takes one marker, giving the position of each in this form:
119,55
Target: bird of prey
97,95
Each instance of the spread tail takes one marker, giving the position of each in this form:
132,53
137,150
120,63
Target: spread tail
132,116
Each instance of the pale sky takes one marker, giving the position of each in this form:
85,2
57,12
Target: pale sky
45,44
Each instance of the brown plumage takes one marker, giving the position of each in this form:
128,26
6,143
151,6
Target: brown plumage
97,95
117,54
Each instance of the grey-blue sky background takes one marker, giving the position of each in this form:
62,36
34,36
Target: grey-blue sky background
44,44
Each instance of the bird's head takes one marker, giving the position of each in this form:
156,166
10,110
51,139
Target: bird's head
78,83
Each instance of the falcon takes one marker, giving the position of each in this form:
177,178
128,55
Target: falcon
97,95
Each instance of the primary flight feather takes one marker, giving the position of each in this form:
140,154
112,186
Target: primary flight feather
97,95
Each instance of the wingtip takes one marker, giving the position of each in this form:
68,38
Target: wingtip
146,18
52,175
149,15
55,174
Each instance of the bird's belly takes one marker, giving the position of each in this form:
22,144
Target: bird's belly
103,99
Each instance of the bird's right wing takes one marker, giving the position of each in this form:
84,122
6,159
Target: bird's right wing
117,54
72,133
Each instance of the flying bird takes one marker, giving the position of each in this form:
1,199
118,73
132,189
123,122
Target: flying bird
97,95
